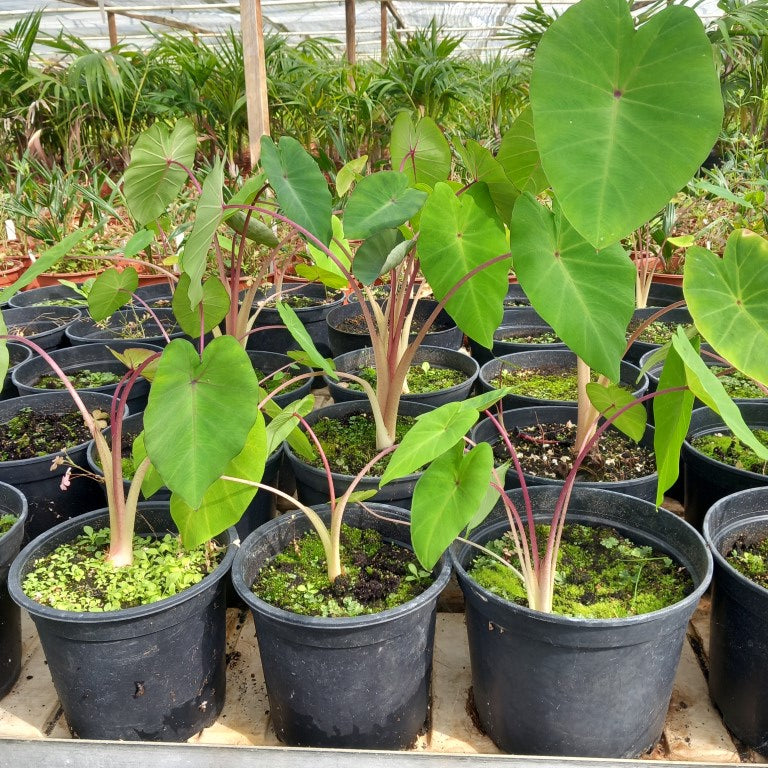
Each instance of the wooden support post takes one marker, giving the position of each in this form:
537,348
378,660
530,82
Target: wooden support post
384,12
349,12
112,28
255,75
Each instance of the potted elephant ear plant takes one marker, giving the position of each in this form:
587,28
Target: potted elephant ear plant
146,641
589,105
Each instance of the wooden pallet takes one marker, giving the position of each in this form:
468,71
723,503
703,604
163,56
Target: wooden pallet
693,733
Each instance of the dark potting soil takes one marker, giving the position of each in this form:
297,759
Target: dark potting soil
377,575
349,443
749,557
142,326
6,523
545,383
77,577
420,378
600,574
81,379
725,447
546,450
356,324
29,434
299,301
658,332
546,337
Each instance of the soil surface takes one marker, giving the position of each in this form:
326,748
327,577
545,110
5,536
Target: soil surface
546,450
377,575
544,383
6,523
81,379
29,434
299,301
356,324
656,333
420,378
545,337
749,557
600,574
737,384
725,447
270,382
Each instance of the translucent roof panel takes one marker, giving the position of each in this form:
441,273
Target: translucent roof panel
479,21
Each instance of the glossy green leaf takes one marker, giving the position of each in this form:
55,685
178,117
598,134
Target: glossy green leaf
428,438
314,274
303,339
446,498
728,300
587,296
488,501
623,118
214,305
138,242
420,151
459,234
225,501
349,173
153,178
379,254
255,230
299,185
610,399
208,215
199,413
111,290
246,194
519,156
134,357
339,247
381,201
671,419
279,417
481,165
44,262
152,482
708,388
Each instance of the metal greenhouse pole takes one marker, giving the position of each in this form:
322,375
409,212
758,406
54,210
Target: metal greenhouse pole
255,75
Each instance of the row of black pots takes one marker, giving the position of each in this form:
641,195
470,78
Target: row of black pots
364,682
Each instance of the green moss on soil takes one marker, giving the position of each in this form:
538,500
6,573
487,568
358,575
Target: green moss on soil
751,560
656,333
350,443
77,577
546,337
6,523
377,575
725,447
546,383
420,378
737,384
81,379
269,383
600,574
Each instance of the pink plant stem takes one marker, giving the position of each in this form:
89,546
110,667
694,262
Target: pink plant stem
650,320
195,183
323,458
278,389
154,316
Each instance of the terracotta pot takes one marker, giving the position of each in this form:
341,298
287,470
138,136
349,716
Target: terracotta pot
53,278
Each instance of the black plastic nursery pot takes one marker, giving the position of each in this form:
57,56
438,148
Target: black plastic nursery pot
269,362
12,502
361,682
94,357
545,684
485,431
157,296
17,354
48,504
312,482
679,316
149,673
738,639
312,318
662,294
554,358
444,332
59,295
707,480
436,357
527,327
126,324
45,326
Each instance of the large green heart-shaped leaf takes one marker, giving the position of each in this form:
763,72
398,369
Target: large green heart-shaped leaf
381,201
339,247
519,156
138,242
214,305
110,291
379,254
208,215
587,296
299,184
622,118
154,177
458,234
225,501
420,151
481,165
728,300
199,413
446,498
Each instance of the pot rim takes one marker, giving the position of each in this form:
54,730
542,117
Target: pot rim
123,614
335,623
458,549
